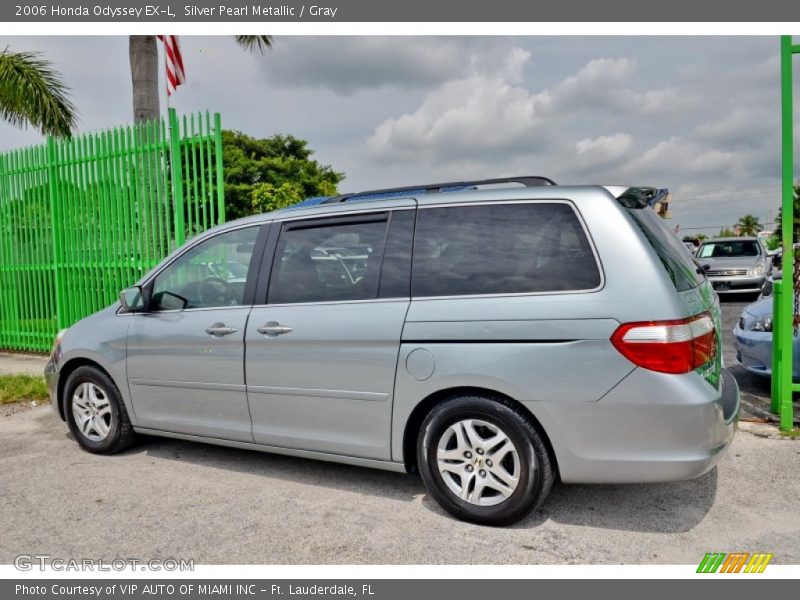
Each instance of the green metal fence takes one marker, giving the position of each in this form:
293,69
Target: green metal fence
82,219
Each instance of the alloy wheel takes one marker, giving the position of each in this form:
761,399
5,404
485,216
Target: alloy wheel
478,462
92,411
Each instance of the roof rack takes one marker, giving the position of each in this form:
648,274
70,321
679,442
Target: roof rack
433,188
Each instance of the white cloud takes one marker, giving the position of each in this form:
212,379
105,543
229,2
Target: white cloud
662,101
481,112
685,156
492,111
599,81
605,148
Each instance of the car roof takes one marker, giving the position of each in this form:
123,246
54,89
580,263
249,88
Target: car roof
553,192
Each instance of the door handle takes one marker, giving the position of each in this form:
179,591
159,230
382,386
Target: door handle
220,329
273,328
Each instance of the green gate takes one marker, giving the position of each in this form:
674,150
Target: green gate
81,219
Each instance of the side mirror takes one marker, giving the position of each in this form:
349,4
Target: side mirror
132,299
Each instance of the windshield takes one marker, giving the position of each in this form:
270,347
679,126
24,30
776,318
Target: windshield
731,249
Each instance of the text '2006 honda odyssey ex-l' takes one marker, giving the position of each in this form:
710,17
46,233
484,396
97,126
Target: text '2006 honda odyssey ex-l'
491,338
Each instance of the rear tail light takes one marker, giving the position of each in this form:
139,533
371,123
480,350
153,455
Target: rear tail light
678,346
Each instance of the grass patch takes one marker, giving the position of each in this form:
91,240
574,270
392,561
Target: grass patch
794,433
22,388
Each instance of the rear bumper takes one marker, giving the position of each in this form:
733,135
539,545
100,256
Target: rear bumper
651,427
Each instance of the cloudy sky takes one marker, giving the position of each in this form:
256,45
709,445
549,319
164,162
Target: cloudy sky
699,115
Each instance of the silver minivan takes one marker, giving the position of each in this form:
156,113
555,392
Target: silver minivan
494,339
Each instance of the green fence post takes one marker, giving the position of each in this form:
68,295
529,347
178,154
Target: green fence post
785,336
176,169
220,178
56,225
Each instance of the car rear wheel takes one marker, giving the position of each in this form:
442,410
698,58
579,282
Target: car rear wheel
483,460
95,412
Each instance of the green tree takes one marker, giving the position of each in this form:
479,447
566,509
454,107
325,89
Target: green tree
271,173
773,243
701,237
749,225
33,93
143,58
726,232
796,225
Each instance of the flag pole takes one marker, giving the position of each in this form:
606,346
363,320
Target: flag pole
173,130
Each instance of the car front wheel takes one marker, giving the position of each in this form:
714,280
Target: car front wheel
95,412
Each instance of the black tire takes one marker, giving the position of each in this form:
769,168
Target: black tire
120,431
536,473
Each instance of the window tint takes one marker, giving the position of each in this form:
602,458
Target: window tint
674,256
501,249
396,271
327,263
213,273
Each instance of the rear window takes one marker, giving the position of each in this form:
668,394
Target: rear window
676,259
729,249
501,249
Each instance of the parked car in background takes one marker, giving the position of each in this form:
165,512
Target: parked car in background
769,284
490,339
753,338
776,260
736,265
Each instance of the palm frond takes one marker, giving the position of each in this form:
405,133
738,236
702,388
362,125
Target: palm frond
251,43
32,92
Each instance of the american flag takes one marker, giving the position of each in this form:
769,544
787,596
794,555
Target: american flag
175,73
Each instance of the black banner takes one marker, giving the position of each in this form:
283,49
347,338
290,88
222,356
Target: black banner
407,10
390,589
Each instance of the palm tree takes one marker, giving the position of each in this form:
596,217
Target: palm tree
33,93
749,225
143,55
778,233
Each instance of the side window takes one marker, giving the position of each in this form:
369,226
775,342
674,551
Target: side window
211,274
501,249
396,271
328,261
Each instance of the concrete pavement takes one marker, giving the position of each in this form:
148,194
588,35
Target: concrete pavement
174,499
12,363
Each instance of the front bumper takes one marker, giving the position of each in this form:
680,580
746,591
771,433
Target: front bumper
652,427
737,284
754,352
51,379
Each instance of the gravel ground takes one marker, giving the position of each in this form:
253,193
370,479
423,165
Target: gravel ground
173,499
